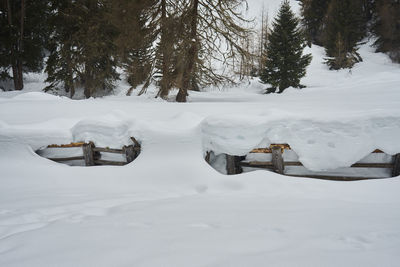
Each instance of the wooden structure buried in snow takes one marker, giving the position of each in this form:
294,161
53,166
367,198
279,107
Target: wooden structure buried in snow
93,156
276,163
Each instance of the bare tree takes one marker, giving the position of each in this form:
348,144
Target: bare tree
215,35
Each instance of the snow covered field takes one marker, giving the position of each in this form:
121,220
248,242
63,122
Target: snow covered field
170,208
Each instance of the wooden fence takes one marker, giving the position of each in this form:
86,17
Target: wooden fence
234,164
91,154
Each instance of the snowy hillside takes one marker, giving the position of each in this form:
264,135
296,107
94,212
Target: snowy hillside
170,208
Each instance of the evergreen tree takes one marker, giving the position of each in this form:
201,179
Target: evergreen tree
62,46
23,33
82,51
165,51
135,38
313,13
345,27
386,28
285,63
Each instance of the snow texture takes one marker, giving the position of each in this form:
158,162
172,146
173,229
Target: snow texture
170,208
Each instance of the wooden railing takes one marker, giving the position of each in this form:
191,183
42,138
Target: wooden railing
234,164
91,154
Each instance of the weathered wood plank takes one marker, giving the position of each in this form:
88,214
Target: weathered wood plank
277,160
335,178
208,156
396,165
67,159
88,154
233,164
109,162
286,146
78,144
261,164
372,165
269,150
135,142
108,150
257,164
130,153
230,164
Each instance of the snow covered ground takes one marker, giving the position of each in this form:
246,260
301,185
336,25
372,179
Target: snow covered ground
170,208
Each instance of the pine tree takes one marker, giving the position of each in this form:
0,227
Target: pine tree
313,13
161,30
285,63
62,53
386,28
83,53
135,38
23,33
345,27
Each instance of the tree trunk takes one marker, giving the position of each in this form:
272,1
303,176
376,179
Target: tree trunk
69,86
87,81
20,76
16,48
20,47
15,71
191,56
164,83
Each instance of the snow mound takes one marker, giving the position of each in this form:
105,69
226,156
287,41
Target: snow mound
320,145
36,96
112,133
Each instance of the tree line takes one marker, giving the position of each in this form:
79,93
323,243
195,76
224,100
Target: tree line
174,43
338,25
169,42
341,25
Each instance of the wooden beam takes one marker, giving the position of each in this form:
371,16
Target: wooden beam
261,164
208,156
396,165
130,153
135,142
230,164
286,146
88,154
108,150
335,178
269,150
257,164
372,165
67,159
233,164
109,162
277,160
78,144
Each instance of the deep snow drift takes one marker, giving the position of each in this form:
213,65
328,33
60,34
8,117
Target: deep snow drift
170,208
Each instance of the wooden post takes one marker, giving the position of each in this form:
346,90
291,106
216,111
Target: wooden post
396,165
277,160
137,144
137,147
130,153
208,156
232,164
238,159
88,154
